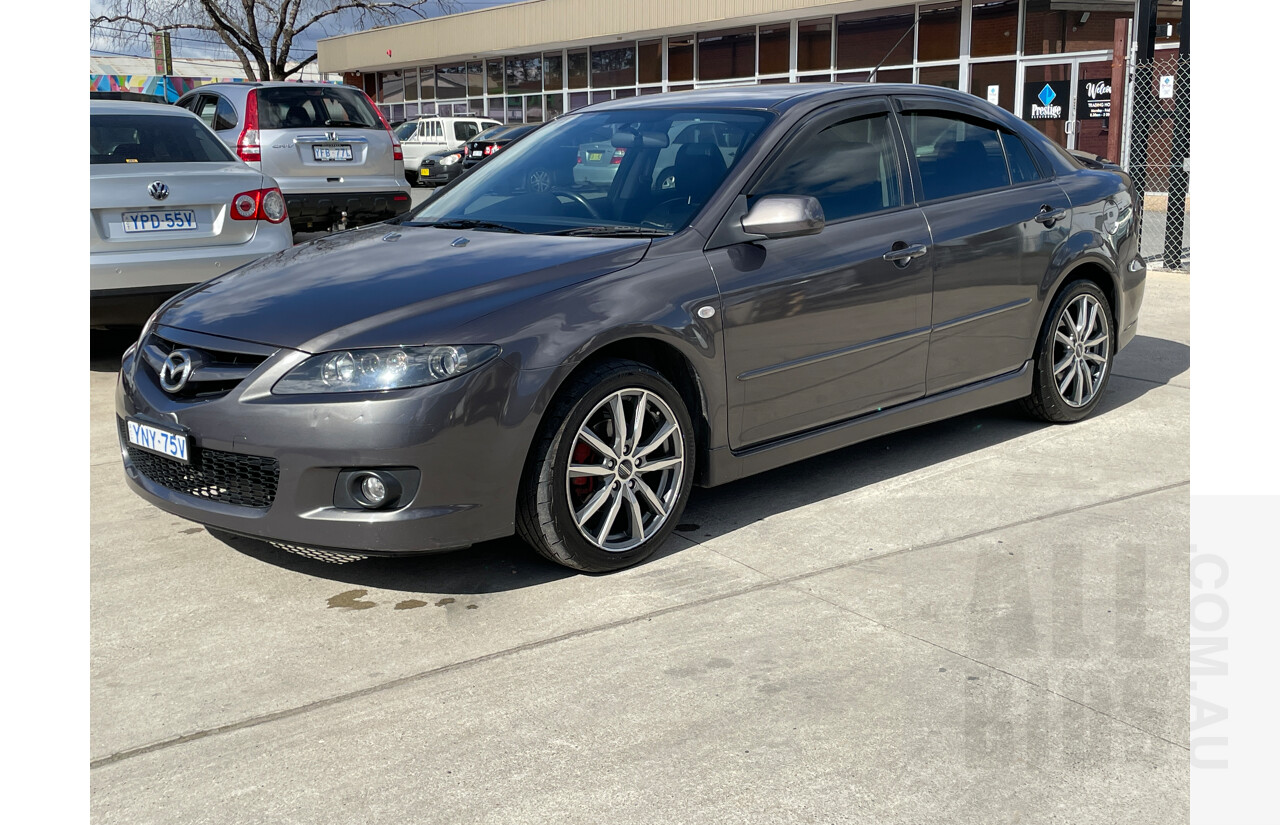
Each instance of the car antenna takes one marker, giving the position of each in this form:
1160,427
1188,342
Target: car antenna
916,22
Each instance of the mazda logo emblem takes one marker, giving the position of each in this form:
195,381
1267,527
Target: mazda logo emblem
158,190
176,370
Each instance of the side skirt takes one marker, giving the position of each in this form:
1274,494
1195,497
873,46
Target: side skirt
725,465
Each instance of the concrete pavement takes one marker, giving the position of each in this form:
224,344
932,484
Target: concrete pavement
983,620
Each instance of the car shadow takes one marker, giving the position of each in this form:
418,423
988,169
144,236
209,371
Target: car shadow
508,564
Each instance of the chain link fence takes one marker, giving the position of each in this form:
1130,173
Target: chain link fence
1157,153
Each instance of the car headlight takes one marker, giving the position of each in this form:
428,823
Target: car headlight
449,160
388,368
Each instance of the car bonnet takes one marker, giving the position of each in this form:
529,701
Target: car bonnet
370,285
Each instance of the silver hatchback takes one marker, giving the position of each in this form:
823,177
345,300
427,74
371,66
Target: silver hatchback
328,146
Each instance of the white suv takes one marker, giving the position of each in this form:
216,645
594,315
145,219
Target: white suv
430,134
327,145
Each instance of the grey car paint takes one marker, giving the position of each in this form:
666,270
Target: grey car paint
553,303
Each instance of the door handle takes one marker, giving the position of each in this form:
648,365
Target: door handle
901,254
1049,216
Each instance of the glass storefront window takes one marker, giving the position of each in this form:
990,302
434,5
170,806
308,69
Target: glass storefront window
939,33
1050,31
410,84
578,69
649,61
726,54
614,66
552,71
427,83
524,73
451,82
393,87
995,29
775,49
601,96
680,57
493,76
577,100
515,110
867,38
1002,75
554,105
948,76
475,79
533,109
813,45
882,76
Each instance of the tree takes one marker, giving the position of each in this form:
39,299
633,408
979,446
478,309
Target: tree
263,34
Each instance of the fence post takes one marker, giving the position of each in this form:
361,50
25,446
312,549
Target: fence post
1179,176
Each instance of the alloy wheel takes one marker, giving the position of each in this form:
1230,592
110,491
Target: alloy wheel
1081,346
626,467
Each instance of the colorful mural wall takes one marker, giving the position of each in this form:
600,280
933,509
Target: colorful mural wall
170,88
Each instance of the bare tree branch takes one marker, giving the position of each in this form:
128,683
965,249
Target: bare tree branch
262,34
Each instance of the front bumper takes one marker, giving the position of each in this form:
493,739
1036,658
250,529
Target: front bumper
435,174
455,433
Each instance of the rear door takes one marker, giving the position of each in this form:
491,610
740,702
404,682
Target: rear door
996,223
324,138
823,327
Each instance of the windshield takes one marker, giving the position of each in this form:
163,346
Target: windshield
310,107
648,170
405,130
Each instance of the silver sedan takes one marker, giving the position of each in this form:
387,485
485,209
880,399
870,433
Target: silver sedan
169,206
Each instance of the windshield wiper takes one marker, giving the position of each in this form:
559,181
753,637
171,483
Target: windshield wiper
614,231
467,223
347,123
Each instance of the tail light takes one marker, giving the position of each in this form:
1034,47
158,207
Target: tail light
248,147
618,155
259,205
490,149
579,157
397,153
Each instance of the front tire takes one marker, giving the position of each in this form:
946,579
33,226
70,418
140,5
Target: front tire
612,469
1073,355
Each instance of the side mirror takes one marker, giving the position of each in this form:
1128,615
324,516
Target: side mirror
784,216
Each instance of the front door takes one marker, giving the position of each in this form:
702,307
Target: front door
1069,101
822,328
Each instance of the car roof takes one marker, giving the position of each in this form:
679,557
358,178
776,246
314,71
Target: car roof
135,107
776,97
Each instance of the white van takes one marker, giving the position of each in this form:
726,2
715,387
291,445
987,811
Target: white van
428,134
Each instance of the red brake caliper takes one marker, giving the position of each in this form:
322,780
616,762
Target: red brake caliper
583,484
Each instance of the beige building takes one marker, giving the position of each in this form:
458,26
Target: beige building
532,60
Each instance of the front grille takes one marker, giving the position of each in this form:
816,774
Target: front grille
233,367
232,478
315,553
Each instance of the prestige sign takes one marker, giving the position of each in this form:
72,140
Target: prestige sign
1046,100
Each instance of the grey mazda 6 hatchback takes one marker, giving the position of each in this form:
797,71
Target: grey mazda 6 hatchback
830,264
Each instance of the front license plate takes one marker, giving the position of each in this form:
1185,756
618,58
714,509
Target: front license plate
594,155
159,221
426,173
332,153
158,441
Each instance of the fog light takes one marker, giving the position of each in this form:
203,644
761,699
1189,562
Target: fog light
374,489
375,492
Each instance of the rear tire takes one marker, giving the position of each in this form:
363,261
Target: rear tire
1073,355
600,493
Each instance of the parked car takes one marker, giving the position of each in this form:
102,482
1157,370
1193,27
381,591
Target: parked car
438,168
566,364
328,146
169,206
481,147
431,134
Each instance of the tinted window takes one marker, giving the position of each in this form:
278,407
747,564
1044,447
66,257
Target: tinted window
225,117
153,139
956,155
465,129
406,130
849,166
1020,162
206,107
309,107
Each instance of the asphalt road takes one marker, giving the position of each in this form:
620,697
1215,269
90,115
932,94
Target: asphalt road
978,621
